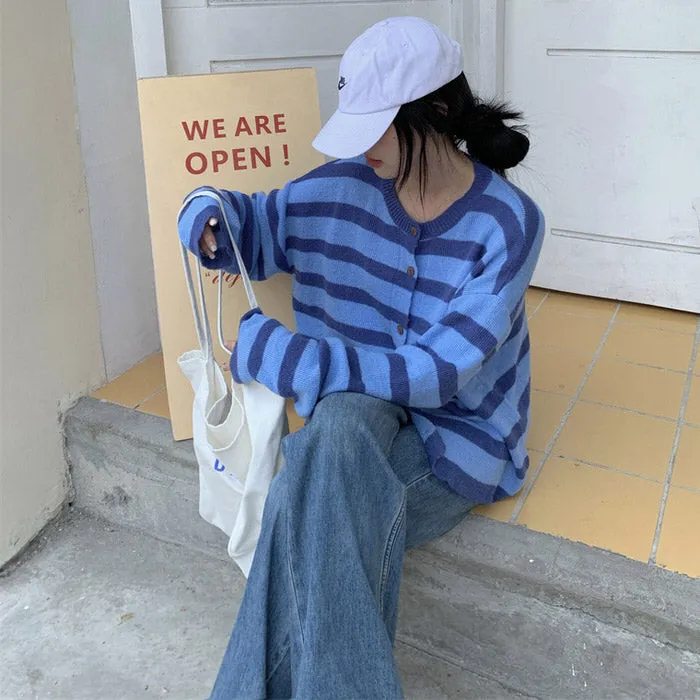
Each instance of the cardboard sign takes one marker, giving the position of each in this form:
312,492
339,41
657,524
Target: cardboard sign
238,131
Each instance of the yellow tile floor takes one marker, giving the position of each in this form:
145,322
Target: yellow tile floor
615,436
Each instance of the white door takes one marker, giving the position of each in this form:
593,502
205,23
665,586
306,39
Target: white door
212,36
611,89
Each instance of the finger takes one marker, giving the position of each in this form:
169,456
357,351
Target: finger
207,243
229,345
211,236
210,240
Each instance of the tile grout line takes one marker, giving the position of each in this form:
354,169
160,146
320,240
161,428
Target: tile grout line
548,451
634,411
656,328
597,465
643,364
621,360
674,449
148,398
624,409
537,308
601,316
688,488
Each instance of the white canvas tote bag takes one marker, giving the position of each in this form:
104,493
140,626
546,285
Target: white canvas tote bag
237,429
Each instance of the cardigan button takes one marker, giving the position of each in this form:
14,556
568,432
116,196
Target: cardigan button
399,330
414,231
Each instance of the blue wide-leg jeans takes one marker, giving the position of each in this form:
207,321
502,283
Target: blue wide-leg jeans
319,612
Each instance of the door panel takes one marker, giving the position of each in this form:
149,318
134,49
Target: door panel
230,35
611,90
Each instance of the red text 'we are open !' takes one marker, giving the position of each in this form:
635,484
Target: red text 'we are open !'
243,158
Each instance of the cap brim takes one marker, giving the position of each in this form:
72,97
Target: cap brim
349,135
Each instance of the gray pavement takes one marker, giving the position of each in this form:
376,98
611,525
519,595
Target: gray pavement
130,595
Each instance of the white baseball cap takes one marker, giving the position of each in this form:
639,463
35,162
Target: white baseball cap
396,61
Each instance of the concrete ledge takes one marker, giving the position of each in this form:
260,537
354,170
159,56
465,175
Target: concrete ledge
526,613
96,612
610,588
537,648
126,468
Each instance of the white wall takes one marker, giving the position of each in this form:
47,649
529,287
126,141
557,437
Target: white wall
110,139
50,344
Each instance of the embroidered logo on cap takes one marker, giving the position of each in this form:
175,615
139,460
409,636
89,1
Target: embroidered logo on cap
341,83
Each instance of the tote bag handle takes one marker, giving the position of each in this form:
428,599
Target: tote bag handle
201,317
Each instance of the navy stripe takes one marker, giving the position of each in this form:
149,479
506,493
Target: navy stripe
398,380
512,233
526,466
419,325
281,260
519,239
342,253
324,361
436,289
434,445
495,397
246,238
348,293
471,331
455,476
517,257
359,335
355,382
462,483
446,248
483,179
360,296
501,387
500,494
519,429
518,310
349,214
524,402
250,313
290,362
233,365
455,408
346,254
480,438
448,378
513,438
524,349
258,350
522,473
339,168
517,326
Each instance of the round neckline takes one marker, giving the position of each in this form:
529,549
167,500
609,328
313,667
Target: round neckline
449,217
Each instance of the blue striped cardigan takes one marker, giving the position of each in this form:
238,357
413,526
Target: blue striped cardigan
430,316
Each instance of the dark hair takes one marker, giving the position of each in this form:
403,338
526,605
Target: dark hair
453,110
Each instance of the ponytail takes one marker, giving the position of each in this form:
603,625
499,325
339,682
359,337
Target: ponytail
488,139
454,111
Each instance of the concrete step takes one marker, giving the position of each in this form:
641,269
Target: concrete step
126,467
98,612
489,610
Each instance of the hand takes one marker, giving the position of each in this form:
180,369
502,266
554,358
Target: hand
207,241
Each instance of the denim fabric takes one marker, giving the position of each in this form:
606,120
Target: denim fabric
319,612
